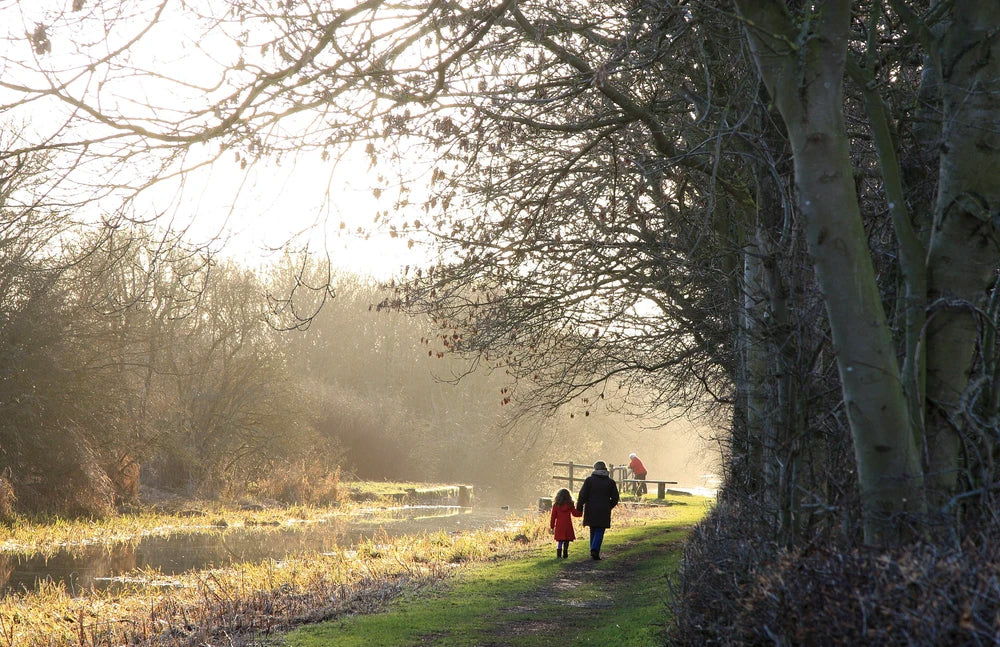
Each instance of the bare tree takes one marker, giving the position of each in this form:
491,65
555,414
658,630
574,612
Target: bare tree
599,173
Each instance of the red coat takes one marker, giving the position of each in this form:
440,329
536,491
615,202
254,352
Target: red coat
637,467
561,520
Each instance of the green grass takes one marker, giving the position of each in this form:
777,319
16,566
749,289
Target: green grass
537,600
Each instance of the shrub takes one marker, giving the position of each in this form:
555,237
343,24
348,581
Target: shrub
301,483
739,588
7,501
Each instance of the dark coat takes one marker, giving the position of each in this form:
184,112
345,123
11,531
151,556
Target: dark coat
597,496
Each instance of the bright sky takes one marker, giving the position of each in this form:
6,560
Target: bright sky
304,200
307,202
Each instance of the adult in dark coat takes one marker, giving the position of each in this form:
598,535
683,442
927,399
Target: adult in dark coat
598,496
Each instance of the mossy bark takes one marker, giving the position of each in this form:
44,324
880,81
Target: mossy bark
963,254
803,67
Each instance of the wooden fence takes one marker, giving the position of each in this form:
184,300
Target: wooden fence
577,472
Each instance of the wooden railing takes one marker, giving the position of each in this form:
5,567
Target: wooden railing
577,472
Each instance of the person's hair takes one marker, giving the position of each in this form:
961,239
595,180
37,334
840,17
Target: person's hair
563,496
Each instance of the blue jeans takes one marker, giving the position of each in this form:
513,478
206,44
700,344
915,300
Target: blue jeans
596,538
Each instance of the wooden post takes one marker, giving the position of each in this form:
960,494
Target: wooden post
661,490
571,488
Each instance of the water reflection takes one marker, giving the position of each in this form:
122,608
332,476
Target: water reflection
105,566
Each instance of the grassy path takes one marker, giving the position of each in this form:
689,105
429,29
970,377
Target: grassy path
536,599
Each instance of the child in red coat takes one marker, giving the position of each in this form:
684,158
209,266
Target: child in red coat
561,521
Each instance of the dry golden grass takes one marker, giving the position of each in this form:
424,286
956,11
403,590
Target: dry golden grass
250,598
47,536
217,606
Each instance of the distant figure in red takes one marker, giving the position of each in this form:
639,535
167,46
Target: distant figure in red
638,473
561,521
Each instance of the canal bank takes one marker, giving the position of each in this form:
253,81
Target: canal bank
534,598
391,545
99,566
246,603
170,535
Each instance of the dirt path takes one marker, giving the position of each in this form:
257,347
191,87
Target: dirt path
552,611
538,600
556,611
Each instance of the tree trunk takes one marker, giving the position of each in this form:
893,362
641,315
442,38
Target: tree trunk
803,70
912,249
775,358
963,253
753,361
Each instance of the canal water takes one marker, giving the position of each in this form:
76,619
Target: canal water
107,566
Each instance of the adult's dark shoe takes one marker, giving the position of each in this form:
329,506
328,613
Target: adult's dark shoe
594,554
